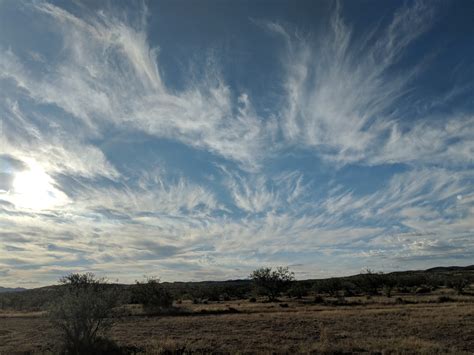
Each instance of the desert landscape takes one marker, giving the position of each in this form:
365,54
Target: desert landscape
236,177
342,315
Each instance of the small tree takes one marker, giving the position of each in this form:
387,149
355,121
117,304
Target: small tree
152,295
83,312
389,282
459,283
270,282
330,286
370,282
298,290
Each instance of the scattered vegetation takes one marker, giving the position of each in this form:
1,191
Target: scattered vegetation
272,283
152,295
83,311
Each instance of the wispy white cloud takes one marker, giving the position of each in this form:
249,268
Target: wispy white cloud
165,239
345,99
346,95
58,150
153,196
109,73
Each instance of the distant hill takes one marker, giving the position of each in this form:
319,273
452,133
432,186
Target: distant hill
244,284
40,298
6,289
451,268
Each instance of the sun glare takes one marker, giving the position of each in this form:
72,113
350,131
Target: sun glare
34,189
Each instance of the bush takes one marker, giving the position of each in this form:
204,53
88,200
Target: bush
422,289
370,282
224,297
298,290
318,299
330,286
152,295
388,283
270,282
349,288
443,299
458,283
399,300
83,313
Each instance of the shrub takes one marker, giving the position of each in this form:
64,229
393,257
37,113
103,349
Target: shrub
318,299
370,282
298,290
330,286
422,289
224,297
83,313
388,283
458,283
270,282
443,299
399,300
152,295
349,288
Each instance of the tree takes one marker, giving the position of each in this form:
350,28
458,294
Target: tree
152,295
331,286
270,282
298,290
83,312
370,282
388,282
459,283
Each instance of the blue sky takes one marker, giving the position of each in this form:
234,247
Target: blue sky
198,140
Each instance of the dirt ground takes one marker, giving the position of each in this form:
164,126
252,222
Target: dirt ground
379,325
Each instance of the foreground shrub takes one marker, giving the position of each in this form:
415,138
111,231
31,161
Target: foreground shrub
83,313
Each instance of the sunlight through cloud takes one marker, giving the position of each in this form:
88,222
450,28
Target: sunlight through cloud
34,189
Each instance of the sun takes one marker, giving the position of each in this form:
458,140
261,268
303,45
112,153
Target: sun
34,189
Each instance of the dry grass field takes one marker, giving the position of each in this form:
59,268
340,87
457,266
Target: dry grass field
383,325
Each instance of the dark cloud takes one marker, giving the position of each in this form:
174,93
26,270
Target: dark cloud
13,237
155,250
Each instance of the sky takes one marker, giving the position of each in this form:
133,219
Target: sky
200,140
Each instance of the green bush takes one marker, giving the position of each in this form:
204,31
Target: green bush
330,286
298,290
459,283
152,295
83,313
272,283
370,282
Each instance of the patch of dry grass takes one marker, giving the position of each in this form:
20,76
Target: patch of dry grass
372,326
